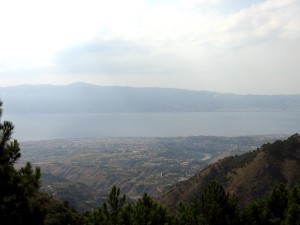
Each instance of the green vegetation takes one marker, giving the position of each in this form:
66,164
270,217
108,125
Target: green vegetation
214,206
16,186
280,207
21,201
287,148
117,211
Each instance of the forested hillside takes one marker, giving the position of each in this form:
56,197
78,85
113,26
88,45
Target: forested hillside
249,176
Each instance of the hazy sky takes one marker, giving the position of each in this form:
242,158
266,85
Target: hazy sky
217,45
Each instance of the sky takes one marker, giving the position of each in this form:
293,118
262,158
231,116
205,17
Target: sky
229,46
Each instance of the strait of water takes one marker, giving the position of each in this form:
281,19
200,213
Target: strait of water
31,127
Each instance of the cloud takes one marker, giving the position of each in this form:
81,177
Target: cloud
267,21
223,45
119,57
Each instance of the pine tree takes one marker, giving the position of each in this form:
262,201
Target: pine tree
16,186
109,212
116,211
148,212
213,206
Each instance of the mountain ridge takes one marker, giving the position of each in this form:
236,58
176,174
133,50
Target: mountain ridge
248,176
88,98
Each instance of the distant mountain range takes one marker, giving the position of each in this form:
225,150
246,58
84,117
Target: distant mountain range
249,176
87,98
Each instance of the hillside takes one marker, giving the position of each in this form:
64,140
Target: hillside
249,176
86,98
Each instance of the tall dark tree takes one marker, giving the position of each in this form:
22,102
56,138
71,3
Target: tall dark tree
280,207
213,206
108,212
16,185
149,212
293,211
116,211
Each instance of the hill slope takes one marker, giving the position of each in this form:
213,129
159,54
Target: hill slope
86,98
249,176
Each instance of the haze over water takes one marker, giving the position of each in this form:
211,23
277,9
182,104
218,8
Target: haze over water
30,127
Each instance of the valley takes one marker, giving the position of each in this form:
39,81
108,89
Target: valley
82,171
